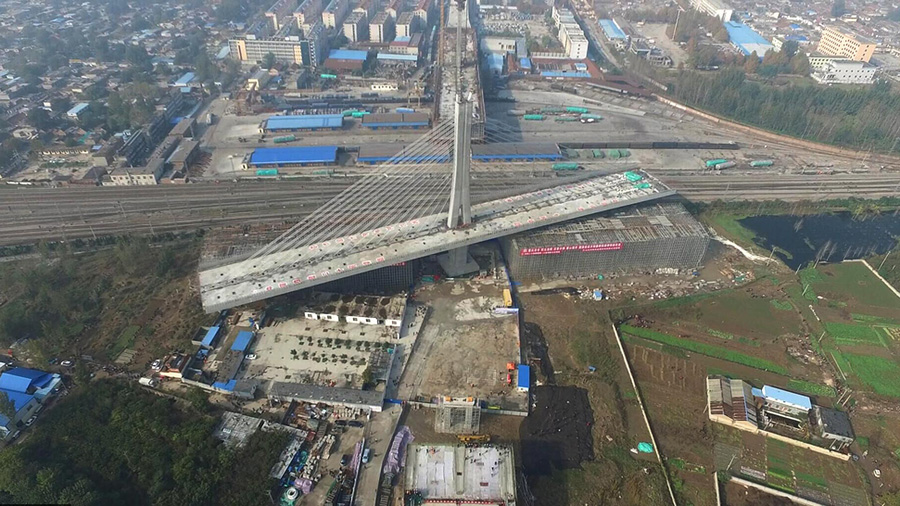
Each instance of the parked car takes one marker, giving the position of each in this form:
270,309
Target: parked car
157,365
354,423
31,420
252,356
67,363
365,457
340,423
345,459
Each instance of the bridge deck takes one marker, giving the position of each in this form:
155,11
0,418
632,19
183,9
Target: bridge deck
309,265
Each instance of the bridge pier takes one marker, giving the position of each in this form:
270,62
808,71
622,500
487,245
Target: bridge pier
458,262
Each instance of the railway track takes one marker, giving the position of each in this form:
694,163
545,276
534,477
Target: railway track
35,214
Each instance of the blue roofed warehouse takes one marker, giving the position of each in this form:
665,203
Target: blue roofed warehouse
302,122
523,380
297,156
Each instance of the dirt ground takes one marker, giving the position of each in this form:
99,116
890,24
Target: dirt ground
463,349
576,335
739,495
557,433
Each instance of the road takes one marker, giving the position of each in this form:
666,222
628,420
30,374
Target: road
34,214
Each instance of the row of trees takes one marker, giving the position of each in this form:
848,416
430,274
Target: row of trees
112,443
864,118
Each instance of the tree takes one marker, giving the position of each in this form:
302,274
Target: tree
7,406
838,8
789,48
722,35
82,373
800,65
752,63
39,118
268,60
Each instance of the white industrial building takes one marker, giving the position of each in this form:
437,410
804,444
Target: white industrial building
845,72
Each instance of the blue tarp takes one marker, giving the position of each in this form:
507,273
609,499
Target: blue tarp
524,377
185,79
229,385
777,394
525,63
242,341
294,155
210,337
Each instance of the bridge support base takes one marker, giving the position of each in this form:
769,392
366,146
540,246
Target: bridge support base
458,262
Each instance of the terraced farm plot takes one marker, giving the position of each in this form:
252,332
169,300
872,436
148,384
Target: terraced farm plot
704,349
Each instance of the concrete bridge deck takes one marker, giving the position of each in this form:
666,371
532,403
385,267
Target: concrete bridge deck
308,265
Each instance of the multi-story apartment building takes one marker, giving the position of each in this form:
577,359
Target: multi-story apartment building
355,27
839,41
381,29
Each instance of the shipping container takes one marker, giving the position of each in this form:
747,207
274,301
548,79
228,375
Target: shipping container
267,172
359,114
633,176
591,116
726,165
565,166
642,186
762,163
713,163
348,112
581,110
534,117
597,153
286,138
328,76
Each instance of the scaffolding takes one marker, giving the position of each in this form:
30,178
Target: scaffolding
458,416
640,239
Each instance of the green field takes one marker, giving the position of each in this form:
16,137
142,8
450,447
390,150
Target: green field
853,280
704,349
848,334
881,374
810,388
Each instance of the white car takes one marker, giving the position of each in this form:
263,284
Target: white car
157,365
252,356
30,421
67,363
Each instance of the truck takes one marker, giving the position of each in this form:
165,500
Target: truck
210,118
404,110
762,163
149,382
286,138
712,163
507,297
580,110
348,112
725,165
633,176
564,166
359,114
534,117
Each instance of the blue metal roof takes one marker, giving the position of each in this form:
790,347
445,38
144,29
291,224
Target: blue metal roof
524,377
398,57
611,29
304,121
402,38
525,63
495,61
21,379
746,39
19,399
786,397
296,154
242,341
348,54
210,337
77,109
185,79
